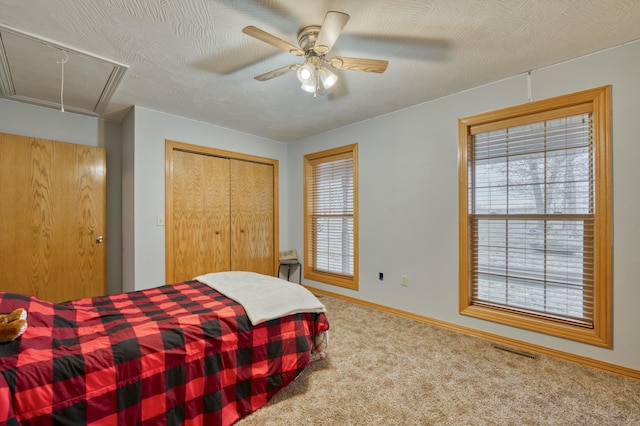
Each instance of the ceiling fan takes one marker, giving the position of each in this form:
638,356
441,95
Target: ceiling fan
314,43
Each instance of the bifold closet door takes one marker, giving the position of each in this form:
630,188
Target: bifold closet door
252,216
221,212
52,218
201,210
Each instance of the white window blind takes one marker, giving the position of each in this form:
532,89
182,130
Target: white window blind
531,216
331,213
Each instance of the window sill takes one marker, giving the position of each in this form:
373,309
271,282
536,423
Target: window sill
333,279
538,324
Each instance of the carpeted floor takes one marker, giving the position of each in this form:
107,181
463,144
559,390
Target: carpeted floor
383,369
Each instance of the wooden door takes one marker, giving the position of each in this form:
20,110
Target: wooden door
199,241
52,218
252,216
221,212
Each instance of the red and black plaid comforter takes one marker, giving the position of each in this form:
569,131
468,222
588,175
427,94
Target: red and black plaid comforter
179,354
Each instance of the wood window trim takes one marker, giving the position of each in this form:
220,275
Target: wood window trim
597,102
347,151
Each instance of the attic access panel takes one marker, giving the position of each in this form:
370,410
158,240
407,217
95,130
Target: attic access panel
31,71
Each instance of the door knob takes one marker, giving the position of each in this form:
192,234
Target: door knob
100,239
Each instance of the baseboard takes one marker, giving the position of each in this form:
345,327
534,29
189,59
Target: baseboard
496,338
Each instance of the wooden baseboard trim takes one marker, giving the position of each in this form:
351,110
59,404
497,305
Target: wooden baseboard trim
496,338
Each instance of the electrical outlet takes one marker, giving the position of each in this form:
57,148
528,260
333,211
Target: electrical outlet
405,280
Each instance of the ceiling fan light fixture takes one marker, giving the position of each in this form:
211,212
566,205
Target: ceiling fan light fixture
309,86
327,78
306,73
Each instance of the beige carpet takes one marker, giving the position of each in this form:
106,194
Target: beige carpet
382,369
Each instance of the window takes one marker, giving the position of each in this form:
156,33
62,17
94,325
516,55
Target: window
331,216
535,216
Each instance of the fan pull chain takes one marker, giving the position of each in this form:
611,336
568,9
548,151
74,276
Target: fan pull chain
64,61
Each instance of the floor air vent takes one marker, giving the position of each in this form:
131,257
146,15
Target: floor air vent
515,351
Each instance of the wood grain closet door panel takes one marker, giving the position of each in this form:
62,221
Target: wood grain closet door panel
200,215
252,216
52,211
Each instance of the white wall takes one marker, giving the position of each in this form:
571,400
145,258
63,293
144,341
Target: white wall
128,202
46,123
408,198
146,243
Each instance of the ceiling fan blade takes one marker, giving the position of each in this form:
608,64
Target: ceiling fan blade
272,40
331,29
357,64
276,73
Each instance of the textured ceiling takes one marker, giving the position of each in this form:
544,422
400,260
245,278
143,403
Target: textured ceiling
190,57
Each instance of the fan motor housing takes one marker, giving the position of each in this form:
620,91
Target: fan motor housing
307,37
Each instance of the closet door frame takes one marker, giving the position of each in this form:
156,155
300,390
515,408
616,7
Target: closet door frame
170,147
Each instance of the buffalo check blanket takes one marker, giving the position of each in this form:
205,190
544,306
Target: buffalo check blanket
176,354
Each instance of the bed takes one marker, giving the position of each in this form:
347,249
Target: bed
181,354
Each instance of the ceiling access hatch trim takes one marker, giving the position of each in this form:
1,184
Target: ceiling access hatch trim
31,72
